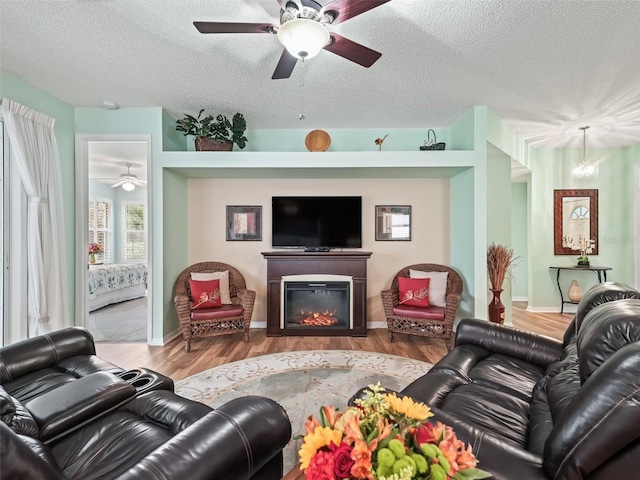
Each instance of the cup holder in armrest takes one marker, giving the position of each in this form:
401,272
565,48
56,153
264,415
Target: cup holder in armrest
130,375
142,382
145,380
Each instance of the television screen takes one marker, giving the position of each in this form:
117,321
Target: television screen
317,222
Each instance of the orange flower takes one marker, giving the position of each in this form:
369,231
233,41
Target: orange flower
311,424
466,459
361,455
330,415
352,432
314,441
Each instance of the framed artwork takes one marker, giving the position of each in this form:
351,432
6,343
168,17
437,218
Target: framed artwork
393,222
244,222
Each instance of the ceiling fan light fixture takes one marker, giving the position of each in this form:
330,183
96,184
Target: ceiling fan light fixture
303,38
128,186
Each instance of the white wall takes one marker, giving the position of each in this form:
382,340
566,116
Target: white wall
430,242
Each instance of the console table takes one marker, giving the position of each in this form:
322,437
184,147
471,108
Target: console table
601,272
352,263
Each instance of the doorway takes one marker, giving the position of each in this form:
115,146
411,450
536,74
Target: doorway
113,209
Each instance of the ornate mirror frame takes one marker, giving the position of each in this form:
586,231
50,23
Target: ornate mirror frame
558,232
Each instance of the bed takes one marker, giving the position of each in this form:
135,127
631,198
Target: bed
116,282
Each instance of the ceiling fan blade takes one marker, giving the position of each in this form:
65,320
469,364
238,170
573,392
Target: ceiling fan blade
343,10
140,183
352,51
224,27
285,65
118,183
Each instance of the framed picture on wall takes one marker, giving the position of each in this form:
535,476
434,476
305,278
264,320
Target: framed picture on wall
244,222
393,222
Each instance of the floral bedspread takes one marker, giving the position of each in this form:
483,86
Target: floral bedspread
115,276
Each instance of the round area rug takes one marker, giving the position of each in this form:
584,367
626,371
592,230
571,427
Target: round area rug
301,382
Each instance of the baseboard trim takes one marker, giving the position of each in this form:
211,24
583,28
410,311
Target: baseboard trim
520,299
161,342
567,309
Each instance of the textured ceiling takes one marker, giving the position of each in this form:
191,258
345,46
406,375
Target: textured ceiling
545,67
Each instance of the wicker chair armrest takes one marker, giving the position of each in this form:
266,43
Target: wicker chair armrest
389,300
183,304
247,297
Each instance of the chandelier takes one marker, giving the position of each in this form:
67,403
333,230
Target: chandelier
584,169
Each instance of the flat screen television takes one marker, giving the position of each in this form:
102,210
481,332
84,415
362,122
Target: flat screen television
316,223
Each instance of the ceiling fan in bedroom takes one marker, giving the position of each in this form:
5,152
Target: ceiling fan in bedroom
303,31
128,181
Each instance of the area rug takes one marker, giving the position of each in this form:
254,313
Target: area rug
301,382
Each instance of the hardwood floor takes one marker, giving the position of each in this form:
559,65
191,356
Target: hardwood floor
173,361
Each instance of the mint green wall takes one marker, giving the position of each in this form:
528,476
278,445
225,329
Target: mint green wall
499,216
172,140
462,236
14,88
174,248
462,132
519,233
552,170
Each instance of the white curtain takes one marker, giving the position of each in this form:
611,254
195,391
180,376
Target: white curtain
34,153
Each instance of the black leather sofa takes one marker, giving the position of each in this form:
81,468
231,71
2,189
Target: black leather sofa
67,414
536,408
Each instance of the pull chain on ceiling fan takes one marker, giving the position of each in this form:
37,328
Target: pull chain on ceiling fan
303,31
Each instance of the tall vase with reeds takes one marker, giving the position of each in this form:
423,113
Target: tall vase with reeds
500,259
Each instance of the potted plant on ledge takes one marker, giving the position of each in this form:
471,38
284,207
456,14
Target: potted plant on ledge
214,133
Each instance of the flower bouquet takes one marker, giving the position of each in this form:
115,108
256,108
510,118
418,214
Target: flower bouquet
93,249
384,437
584,245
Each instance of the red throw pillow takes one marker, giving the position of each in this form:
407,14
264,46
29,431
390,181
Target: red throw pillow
414,291
205,293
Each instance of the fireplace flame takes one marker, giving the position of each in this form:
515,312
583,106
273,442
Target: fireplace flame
325,318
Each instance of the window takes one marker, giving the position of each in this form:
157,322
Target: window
101,226
134,233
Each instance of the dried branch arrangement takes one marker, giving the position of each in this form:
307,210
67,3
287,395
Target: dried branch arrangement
500,259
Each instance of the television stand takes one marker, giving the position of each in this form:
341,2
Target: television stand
316,249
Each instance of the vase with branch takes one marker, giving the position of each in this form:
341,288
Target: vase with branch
500,260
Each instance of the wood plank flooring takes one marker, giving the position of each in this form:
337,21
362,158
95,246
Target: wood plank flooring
173,361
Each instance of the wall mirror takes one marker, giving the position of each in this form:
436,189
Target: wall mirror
575,215
393,222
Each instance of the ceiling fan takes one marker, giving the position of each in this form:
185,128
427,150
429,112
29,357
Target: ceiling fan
303,31
128,181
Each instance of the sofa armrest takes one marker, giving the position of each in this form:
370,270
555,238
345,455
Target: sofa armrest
18,460
232,442
496,338
21,358
68,406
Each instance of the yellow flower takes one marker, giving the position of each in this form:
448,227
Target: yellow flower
314,441
406,406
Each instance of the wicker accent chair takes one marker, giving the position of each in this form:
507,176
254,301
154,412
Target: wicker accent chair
216,323
438,322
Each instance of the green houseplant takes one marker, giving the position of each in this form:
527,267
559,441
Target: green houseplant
214,133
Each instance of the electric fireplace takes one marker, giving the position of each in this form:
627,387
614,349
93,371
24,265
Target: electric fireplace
313,268
316,301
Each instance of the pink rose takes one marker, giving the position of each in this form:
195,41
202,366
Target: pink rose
342,461
425,434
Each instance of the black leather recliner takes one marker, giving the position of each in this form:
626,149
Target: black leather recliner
66,414
536,408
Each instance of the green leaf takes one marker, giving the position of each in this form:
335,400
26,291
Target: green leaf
471,474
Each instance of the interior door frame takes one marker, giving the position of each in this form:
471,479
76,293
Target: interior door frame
82,221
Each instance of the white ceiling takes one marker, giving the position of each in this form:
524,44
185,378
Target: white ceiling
545,67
